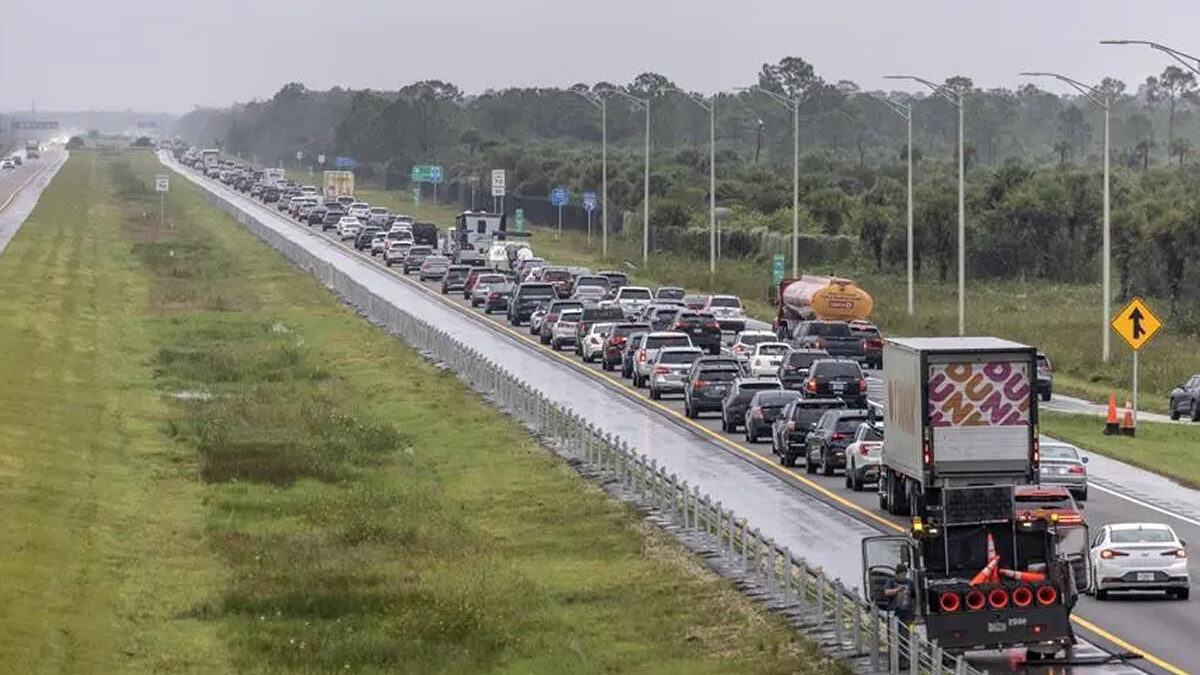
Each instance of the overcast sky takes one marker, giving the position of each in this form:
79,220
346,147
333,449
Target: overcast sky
170,55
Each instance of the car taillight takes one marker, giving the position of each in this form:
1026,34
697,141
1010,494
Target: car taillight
1077,469
619,340
712,324
1178,553
837,435
739,348
699,384
812,386
817,344
642,355
757,414
679,324
1110,553
552,318
862,386
661,370
493,296
791,425
926,454
863,449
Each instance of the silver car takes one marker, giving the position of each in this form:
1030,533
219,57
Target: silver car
647,350
668,373
1063,464
480,292
378,216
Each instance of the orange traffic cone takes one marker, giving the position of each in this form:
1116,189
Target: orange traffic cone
988,573
1127,420
1022,576
1110,423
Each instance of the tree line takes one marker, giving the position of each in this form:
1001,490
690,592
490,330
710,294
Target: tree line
1033,159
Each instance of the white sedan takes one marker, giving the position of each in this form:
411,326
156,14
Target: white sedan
349,227
593,343
1139,557
563,332
764,361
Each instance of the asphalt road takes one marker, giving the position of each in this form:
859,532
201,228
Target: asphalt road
1160,628
21,187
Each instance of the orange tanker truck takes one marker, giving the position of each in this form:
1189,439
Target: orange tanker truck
813,296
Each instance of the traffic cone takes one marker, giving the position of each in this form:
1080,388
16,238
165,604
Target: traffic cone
988,573
1110,424
1030,577
1127,421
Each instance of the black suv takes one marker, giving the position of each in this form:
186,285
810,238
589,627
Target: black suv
789,431
737,399
702,328
525,298
834,337
825,446
794,369
316,215
706,385
617,342
763,409
837,378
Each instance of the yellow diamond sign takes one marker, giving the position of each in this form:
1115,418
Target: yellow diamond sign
1136,323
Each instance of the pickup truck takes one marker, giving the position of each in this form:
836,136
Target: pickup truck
835,337
632,300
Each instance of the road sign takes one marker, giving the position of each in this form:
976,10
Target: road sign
416,195
321,160
161,183
589,201
777,269
32,124
520,216
1136,323
559,196
498,182
345,162
426,173
299,155
435,174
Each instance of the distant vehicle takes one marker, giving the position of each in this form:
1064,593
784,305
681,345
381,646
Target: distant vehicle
728,310
525,298
763,409
789,432
7,164
616,279
210,159
647,351
695,302
474,232
360,210
454,278
497,298
1139,557
592,344
434,267
553,310
379,216
1063,465
378,244
590,296
362,241
872,343
706,386
813,297
615,343
563,332
793,370
1185,399
826,443
560,277
416,257
702,328
630,350
395,252
32,149
348,227
862,456
668,370
766,358
592,316
834,337
836,378
660,317
1045,377
480,290
737,399
743,343
425,234
669,293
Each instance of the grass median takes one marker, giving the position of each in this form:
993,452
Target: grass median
212,465
1167,449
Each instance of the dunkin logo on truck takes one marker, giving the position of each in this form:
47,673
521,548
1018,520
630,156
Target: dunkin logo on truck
979,394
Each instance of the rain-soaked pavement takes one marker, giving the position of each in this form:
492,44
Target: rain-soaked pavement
20,189
798,513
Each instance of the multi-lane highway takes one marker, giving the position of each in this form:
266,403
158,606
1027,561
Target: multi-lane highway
21,187
809,513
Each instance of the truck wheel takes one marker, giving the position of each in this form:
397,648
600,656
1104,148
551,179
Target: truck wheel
1174,411
848,483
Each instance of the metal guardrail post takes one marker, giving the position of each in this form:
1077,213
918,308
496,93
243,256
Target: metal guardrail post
893,643
802,581
938,664
838,614
771,555
685,492
873,626
914,652
857,608
719,508
820,587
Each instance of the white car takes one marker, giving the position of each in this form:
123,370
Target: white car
563,332
7,164
360,210
378,244
863,456
632,300
764,361
396,251
348,227
379,216
1139,557
727,308
745,341
593,341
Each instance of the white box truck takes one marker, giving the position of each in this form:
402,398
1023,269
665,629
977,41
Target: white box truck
960,412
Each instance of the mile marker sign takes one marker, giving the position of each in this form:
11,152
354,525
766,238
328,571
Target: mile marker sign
1136,324
161,183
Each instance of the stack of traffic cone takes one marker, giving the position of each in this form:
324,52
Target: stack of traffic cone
989,573
1110,424
1127,428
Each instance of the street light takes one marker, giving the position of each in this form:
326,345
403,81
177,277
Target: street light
904,110
955,97
645,103
602,104
1102,100
1179,56
711,107
793,105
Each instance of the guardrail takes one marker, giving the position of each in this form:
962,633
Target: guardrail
842,623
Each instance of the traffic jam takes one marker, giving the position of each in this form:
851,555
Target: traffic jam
988,513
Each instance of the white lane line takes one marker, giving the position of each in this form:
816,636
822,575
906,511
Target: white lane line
1144,504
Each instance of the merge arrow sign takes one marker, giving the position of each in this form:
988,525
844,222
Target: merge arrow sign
1136,324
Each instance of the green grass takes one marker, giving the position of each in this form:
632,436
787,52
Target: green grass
321,500
1168,449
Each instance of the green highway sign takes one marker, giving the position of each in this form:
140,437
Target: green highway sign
520,216
426,173
777,269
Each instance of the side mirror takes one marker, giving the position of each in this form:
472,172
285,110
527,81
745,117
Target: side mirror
812,425
1084,459
1183,543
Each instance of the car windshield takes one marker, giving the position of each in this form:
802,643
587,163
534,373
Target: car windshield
872,433
537,291
848,425
556,275
601,328
486,278
802,359
837,369
626,331
670,293
757,386
674,357
569,316
777,398
601,282
755,339
565,306
1055,451
829,329
617,278
424,250
635,293
1142,535
378,210
658,342
773,350
589,290
725,301
1044,500
718,375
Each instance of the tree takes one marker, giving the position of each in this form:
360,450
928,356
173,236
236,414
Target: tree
1174,85
1063,149
75,142
793,77
1074,129
1181,147
1143,149
142,142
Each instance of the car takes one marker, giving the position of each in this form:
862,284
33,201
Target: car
789,432
705,386
1139,557
537,316
553,311
7,164
834,337
348,227
863,455
1045,376
1054,504
669,293
416,257
527,296
483,284
615,343
362,241
632,300
737,399
1062,464
590,280
668,371
837,378
660,317
762,410
395,252
316,215
563,332
560,277
793,369
497,297
333,216
591,346
728,310
616,279
744,341
590,296
766,359
872,342
647,350
345,200
378,244
594,315
1185,400
269,194
702,328
627,354
454,277
473,278
377,215
360,210
695,302
825,445
434,267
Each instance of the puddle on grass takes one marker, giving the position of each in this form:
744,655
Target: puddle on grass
191,395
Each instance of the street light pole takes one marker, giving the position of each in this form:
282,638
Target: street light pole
955,97
1186,60
904,110
602,104
1102,100
711,107
793,105
645,103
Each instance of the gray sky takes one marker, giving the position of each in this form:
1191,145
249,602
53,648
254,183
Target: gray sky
169,55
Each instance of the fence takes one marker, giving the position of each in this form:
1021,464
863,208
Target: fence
835,616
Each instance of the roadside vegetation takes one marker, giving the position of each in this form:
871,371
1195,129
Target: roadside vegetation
212,465
1166,449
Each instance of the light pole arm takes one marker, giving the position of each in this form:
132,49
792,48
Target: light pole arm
695,98
1173,53
590,98
791,104
902,109
1093,94
954,97
644,102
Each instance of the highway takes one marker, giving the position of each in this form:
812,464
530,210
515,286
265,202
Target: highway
816,516
21,187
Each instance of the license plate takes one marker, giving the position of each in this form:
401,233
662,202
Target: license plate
839,387
1145,576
